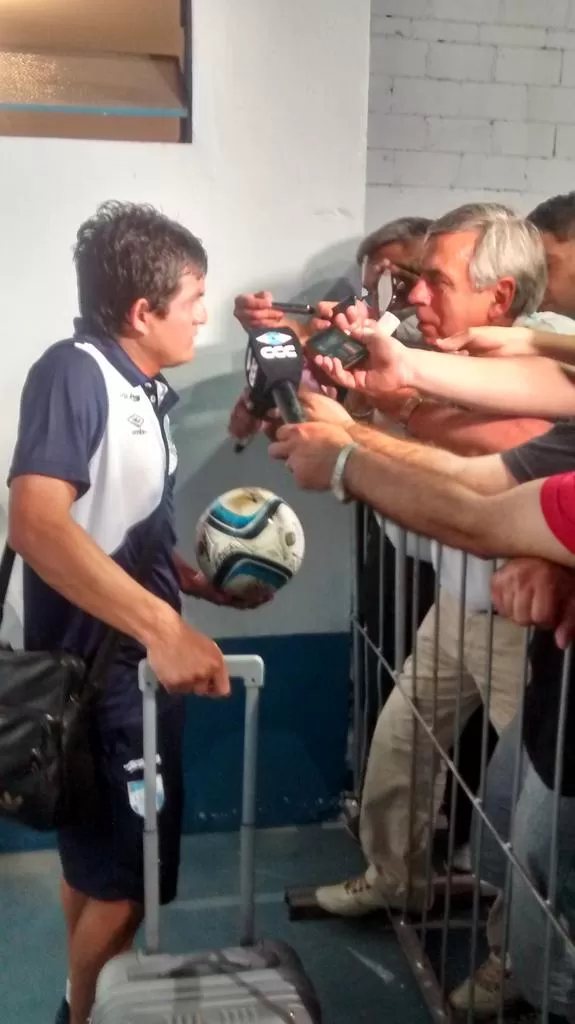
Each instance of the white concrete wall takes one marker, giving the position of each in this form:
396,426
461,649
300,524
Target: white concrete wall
469,98
274,183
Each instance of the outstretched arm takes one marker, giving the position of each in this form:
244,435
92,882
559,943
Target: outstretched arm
494,526
526,520
524,386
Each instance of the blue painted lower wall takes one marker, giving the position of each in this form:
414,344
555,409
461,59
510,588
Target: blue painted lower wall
303,735
303,732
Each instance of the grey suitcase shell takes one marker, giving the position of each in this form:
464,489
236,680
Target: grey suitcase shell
253,983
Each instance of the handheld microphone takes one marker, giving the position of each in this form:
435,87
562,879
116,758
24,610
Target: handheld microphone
274,368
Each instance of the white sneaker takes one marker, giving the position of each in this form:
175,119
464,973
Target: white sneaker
486,983
462,859
353,898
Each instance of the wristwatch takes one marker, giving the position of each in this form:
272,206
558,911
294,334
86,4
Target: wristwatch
336,481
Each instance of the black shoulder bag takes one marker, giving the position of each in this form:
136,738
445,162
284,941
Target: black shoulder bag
47,767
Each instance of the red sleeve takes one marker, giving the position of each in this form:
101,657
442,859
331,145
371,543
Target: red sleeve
558,507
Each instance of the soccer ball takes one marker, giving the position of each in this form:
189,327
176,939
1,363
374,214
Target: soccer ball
249,537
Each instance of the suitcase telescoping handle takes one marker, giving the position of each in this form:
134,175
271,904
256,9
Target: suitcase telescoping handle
250,669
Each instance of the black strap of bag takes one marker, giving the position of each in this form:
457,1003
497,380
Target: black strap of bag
6,566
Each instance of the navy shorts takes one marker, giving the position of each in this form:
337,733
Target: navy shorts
104,859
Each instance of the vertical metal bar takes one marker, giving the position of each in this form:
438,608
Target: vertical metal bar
381,597
366,658
508,844
414,731
456,748
356,737
431,807
148,686
480,803
187,70
557,783
356,655
248,824
400,605
250,669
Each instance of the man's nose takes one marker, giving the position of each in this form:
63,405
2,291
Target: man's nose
419,294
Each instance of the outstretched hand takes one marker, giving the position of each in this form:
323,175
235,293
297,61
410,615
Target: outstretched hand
491,341
387,366
310,451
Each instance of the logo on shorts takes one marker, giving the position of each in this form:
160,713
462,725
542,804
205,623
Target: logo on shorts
137,795
137,765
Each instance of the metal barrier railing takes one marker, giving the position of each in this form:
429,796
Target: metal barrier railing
441,914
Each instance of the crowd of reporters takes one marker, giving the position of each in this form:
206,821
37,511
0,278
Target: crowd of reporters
477,455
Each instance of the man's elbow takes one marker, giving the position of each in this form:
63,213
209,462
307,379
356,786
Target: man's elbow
30,530
38,514
24,529
477,544
475,533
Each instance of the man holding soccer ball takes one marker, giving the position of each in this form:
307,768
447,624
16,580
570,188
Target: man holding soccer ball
91,489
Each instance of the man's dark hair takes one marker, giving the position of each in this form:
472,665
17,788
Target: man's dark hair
127,252
404,229
556,216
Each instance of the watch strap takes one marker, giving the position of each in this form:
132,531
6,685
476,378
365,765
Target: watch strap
336,481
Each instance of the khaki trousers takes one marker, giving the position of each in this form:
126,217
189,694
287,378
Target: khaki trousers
389,789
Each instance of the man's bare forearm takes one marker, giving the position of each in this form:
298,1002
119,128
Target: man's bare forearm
555,346
70,562
496,526
485,473
411,452
418,499
526,386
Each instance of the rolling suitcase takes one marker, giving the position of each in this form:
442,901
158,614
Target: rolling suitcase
253,983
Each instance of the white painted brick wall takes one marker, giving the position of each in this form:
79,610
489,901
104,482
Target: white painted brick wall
548,13
398,56
568,77
456,135
445,31
394,132
556,106
534,67
523,138
493,172
469,99
565,146
380,94
461,63
477,11
560,40
550,176
512,35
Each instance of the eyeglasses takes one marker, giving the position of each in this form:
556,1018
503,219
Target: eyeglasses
392,288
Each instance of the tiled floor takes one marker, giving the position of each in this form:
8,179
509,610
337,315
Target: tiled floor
357,967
